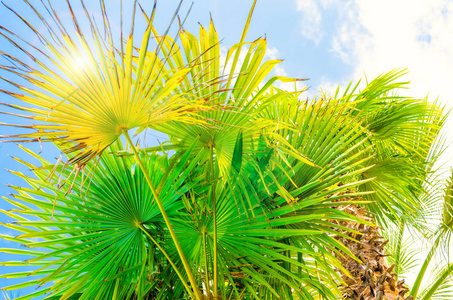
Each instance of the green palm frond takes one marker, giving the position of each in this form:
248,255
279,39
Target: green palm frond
440,240
268,226
401,132
98,240
401,251
440,287
240,90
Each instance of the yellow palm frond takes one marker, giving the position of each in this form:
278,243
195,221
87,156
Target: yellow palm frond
237,81
86,92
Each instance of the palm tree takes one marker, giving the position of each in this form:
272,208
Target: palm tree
400,134
246,206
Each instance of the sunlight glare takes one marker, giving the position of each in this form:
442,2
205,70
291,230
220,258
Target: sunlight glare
80,63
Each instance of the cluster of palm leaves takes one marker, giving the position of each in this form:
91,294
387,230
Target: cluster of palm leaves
239,203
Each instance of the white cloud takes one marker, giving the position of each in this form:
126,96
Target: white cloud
311,20
413,34
376,37
273,53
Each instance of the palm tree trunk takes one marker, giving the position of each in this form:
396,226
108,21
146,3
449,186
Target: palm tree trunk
371,278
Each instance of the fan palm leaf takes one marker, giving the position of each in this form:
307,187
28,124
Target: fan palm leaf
86,93
401,132
239,89
104,238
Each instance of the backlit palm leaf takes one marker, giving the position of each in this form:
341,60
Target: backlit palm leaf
401,251
401,132
439,239
86,93
232,83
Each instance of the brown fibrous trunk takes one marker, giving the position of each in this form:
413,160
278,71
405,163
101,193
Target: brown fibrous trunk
371,278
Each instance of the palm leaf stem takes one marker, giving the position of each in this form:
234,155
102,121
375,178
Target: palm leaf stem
205,246
184,282
165,216
421,274
401,228
443,276
215,269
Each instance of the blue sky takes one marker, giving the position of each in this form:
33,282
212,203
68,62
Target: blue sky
330,42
